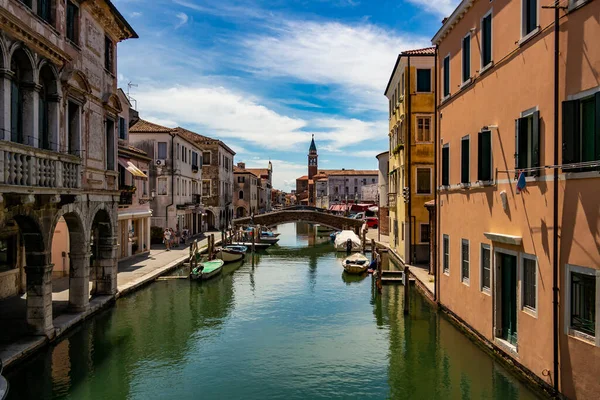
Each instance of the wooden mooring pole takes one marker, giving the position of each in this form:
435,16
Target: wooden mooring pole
253,241
406,290
373,247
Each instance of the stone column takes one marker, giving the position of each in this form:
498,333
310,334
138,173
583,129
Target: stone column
104,271
5,79
39,298
79,281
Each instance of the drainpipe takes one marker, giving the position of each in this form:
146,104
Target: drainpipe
172,179
408,163
435,180
555,211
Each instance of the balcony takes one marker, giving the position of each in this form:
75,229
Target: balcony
127,192
194,168
28,167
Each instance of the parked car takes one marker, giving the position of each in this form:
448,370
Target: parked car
372,222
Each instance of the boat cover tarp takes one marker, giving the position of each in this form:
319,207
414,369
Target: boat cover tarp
342,238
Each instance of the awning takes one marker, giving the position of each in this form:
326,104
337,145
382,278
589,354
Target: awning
135,171
134,214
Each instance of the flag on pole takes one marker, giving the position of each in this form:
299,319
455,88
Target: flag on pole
521,182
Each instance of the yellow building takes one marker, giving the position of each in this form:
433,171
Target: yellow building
410,92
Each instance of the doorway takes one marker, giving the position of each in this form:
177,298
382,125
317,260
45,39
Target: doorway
506,301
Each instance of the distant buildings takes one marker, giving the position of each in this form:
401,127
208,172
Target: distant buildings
323,188
246,191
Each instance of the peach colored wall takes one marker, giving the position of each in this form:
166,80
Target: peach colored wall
521,78
60,244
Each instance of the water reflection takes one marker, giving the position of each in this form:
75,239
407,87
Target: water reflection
288,327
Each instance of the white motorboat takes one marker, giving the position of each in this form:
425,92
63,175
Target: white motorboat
347,241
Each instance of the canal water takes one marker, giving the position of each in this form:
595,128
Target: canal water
294,326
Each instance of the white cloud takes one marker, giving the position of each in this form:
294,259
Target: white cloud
357,58
346,132
135,14
183,19
366,153
442,8
160,121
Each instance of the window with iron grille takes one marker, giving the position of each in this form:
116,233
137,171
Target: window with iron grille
108,54
465,270
446,250
583,303
529,283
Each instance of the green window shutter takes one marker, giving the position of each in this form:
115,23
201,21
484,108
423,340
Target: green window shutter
487,40
484,163
570,133
535,142
446,76
522,142
466,61
597,98
464,156
446,166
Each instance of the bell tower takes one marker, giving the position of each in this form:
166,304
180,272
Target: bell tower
313,164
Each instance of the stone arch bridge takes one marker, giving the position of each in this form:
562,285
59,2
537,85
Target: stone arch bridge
304,214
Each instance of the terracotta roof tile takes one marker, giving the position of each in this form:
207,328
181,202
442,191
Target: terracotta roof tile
430,51
143,126
200,139
259,171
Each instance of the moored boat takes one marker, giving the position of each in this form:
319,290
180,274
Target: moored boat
356,263
269,239
3,385
230,254
347,241
207,270
241,248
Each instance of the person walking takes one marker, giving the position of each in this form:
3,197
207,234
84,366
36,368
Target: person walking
167,238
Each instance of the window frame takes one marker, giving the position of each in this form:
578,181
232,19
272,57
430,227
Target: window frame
166,183
76,23
209,187
417,168
482,288
421,233
109,56
479,161
465,280
158,157
423,116
568,330
482,67
417,80
462,77
446,251
445,146
445,95
525,308
209,157
525,35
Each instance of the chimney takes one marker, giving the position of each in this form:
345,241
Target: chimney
241,165
444,20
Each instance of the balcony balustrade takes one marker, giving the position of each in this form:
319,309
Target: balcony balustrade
25,166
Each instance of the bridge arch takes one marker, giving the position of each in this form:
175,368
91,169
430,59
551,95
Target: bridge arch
304,215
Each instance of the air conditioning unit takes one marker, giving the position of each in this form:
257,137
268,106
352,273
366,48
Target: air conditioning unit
161,162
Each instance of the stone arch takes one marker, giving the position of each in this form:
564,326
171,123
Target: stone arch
103,248
79,256
24,57
210,219
23,96
112,102
317,217
240,212
76,80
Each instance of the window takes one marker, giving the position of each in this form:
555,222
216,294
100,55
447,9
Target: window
529,277
241,179
464,258
484,156
122,129
162,186
108,54
446,165
486,39
110,145
402,233
527,154
73,129
177,152
241,195
44,114
26,2
423,80
206,158
8,259
402,85
446,253
423,180
447,76
529,17
581,122
72,22
466,58
206,188
582,316
194,159
486,262
177,186
423,129
162,150
464,160
424,233
44,10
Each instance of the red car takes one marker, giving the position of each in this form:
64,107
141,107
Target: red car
372,222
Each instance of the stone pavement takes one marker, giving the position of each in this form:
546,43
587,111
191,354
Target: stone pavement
132,274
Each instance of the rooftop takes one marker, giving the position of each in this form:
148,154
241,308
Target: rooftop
427,51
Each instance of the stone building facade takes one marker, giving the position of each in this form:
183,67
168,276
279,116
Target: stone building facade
245,193
58,118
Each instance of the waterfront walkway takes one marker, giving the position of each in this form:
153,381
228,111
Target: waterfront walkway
132,274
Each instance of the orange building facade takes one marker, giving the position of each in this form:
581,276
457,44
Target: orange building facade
497,264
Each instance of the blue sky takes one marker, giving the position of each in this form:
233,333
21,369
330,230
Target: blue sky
263,76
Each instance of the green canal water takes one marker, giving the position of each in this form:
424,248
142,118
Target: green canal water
291,327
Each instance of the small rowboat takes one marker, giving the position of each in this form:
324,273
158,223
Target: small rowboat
269,239
229,254
269,234
207,270
243,249
355,264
